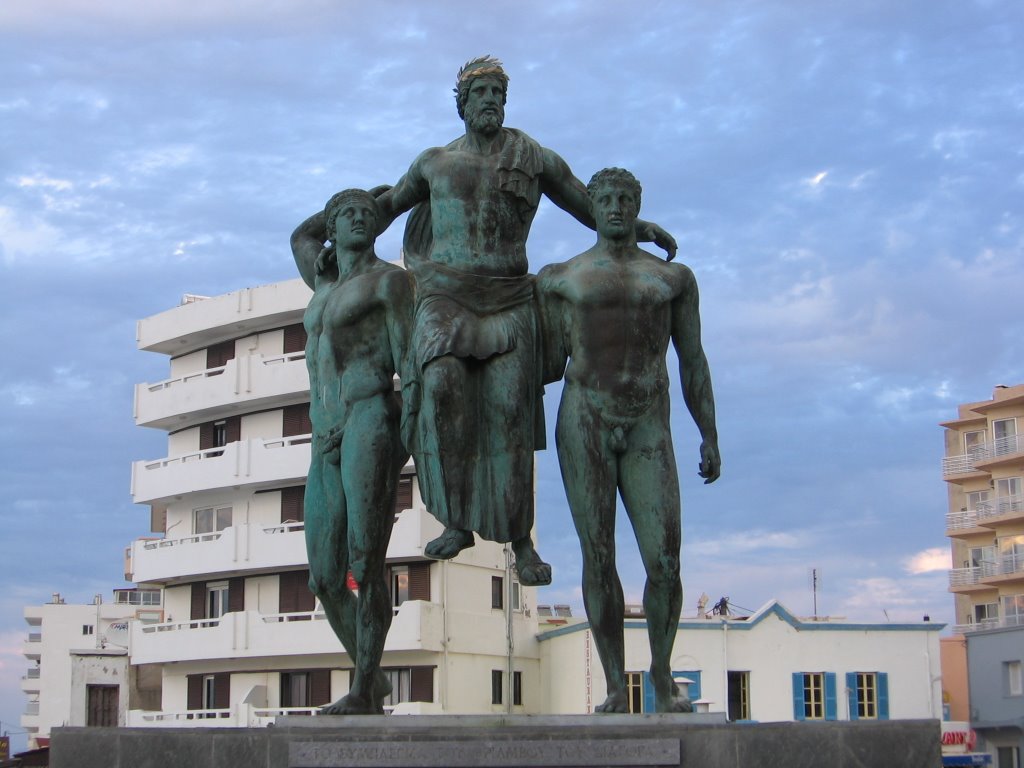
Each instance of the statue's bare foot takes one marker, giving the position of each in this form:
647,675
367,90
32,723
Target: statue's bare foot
616,702
533,572
351,705
670,699
449,544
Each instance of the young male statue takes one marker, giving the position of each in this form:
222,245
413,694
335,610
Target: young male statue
475,335
610,312
357,325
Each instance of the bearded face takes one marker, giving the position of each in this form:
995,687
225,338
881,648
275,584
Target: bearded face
483,110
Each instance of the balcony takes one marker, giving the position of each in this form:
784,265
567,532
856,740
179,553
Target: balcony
999,511
962,467
246,634
258,462
33,646
1005,568
966,520
967,579
197,324
1000,450
250,382
237,548
30,680
981,626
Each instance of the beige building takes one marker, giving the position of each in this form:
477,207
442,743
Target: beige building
984,470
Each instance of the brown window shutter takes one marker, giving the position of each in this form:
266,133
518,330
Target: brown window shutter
294,594
419,581
206,436
421,684
195,692
293,503
198,600
403,498
286,599
221,690
296,420
233,428
294,338
236,594
306,599
319,687
218,354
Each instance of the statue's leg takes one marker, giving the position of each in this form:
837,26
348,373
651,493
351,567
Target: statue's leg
588,473
371,458
505,502
443,428
326,531
650,493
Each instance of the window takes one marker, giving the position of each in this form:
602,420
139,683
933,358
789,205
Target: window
216,599
739,695
1013,610
985,612
1008,757
399,585
1004,433
814,695
1014,680
517,595
137,596
974,442
87,629
868,694
220,434
976,499
210,520
497,593
496,686
635,691
401,683
517,687
1011,554
209,691
295,689
1008,488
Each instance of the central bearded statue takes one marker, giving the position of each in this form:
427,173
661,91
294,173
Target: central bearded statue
474,382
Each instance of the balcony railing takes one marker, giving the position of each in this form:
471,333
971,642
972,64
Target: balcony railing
35,637
1003,446
263,461
164,543
964,577
32,673
965,518
999,507
959,465
979,626
32,708
967,462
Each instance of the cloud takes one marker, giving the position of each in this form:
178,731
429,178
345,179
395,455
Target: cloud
928,561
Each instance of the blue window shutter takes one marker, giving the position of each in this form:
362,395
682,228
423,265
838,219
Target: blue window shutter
798,695
648,693
691,691
883,695
830,695
851,694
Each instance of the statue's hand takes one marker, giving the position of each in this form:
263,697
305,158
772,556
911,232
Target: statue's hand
649,232
710,461
325,260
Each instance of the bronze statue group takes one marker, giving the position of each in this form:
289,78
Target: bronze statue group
474,338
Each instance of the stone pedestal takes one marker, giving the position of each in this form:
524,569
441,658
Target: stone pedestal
693,741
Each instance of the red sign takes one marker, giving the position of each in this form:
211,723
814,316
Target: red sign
959,738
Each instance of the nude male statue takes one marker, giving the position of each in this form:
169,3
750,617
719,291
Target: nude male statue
610,313
357,326
475,334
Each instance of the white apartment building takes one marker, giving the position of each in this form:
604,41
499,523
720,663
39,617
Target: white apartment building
242,639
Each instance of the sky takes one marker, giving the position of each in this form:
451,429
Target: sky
846,181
